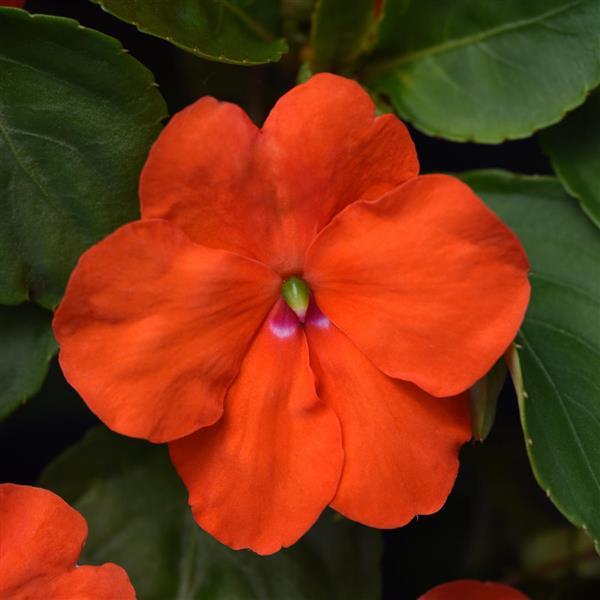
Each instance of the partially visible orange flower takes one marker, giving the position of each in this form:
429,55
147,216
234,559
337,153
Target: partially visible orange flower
41,538
469,589
13,3
293,313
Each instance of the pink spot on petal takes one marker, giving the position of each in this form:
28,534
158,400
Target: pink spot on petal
282,321
315,317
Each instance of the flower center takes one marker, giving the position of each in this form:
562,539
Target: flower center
296,294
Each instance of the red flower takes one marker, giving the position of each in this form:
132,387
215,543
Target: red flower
13,3
41,538
467,589
175,329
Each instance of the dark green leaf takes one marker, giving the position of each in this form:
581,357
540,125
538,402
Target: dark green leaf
486,71
483,398
574,148
138,517
341,32
77,117
233,31
26,347
559,344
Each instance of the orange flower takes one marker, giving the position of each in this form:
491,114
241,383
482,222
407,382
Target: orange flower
175,328
467,589
41,538
13,3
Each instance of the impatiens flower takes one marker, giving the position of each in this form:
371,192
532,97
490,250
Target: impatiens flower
467,589
297,313
41,538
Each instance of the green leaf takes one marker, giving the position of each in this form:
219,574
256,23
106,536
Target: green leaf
77,117
138,517
26,347
486,71
559,344
574,149
341,32
232,31
483,398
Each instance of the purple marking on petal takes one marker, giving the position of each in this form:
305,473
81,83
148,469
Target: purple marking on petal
315,317
283,322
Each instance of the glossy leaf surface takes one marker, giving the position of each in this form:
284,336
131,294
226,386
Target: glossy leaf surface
486,71
574,149
77,117
138,516
234,31
559,344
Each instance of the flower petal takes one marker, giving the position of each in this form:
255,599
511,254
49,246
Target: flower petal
468,589
326,149
153,328
426,281
266,194
106,582
261,476
40,535
41,538
201,174
400,444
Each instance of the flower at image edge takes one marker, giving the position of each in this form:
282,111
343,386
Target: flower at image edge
41,538
297,313
469,589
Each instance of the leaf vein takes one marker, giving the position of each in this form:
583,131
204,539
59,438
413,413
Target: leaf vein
30,173
543,323
561,401
569,286
455,44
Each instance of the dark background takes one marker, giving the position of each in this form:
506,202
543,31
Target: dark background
496,508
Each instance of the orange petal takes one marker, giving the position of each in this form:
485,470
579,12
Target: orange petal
200,175
153,328
427,282
400,444
106,582
326,149
41,538
467,589
40,534
266,194
261,476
